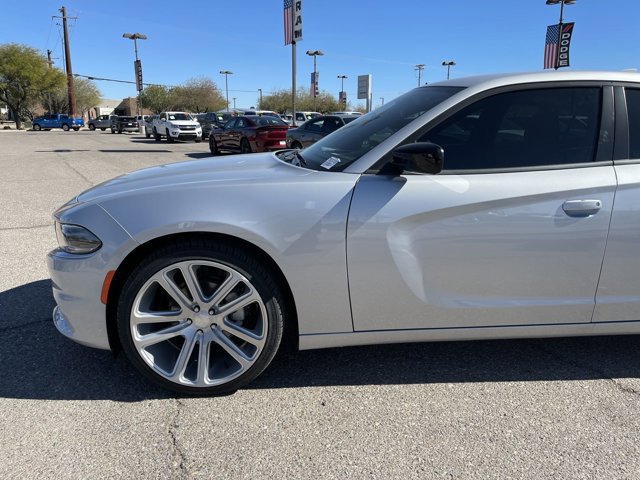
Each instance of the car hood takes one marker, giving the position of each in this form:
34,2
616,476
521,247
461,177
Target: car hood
189,123
239,169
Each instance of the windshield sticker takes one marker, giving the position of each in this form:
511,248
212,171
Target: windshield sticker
330,163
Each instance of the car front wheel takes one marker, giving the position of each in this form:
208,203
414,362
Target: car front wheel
65,127
156,135
213,147
200,317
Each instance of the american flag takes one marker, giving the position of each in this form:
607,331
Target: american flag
288,21
551,46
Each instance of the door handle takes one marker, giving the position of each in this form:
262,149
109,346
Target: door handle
581,208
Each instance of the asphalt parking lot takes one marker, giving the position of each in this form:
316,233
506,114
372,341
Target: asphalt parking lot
561,408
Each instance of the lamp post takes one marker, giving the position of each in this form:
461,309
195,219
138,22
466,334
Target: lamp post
448,64
135,37
314,54
419,68
226,74
342,95
260,104
381,101
562,4
234,103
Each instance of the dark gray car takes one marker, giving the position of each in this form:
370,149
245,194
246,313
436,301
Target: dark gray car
211,120
313,130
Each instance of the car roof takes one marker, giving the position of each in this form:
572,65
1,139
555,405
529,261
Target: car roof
498,80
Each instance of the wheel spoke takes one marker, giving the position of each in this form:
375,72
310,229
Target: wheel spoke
239,303
225,289
203,359
242,333
138,317
185,353
163,335
172,289
192,283
233,350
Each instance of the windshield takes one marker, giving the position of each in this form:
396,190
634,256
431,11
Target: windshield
179,116
337,151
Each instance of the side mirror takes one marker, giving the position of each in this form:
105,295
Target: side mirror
419,157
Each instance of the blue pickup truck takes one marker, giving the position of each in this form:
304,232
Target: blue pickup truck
57,120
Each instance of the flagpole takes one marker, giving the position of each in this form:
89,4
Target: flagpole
293,66
559,35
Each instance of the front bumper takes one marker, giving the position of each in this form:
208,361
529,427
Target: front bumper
185,134
77,280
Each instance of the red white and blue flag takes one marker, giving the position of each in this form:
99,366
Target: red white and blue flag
556,45
288,21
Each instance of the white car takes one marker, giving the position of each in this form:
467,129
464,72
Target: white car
477,208
176,126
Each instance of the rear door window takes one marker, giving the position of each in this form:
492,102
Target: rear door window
633,111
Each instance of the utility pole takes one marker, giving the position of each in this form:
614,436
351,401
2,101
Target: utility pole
49,58
260,104
67,56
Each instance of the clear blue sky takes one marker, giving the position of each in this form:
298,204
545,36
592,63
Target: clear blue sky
196,38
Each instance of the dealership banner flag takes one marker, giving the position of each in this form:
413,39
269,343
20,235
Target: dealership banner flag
292,21
557,44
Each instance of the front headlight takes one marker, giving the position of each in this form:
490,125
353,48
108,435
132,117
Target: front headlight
76,239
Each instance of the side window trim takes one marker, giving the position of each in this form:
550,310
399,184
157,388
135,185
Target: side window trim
621,150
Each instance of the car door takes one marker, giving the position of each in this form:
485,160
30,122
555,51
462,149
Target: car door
225,134
235,134
618,297
512,232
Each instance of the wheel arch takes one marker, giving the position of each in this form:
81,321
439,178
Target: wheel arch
290,334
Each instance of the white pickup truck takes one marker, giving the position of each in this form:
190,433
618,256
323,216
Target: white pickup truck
176,126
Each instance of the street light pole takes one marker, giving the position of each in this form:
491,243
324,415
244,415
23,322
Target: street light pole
562,4
381,101
314,54
234,103
260,104
226,74
448,64
135,37
419,68
342,95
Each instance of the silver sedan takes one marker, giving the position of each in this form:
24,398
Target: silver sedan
470,209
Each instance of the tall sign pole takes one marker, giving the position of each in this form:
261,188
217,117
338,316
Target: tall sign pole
292,35
67,55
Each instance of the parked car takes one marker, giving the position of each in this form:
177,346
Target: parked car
148,125
102,122
209,121
249,134
313,130
57,120
476,208
124,124
176,126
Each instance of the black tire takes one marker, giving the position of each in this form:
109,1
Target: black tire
75,129
213,147
37,127
147,134
296,145
156,135
220,252
65,127
92,127
198,140
169,137
119,130
245,147
103,129
113,131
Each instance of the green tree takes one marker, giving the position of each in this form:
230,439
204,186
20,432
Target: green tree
87,97
25,79
280,101
156,98
197,95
